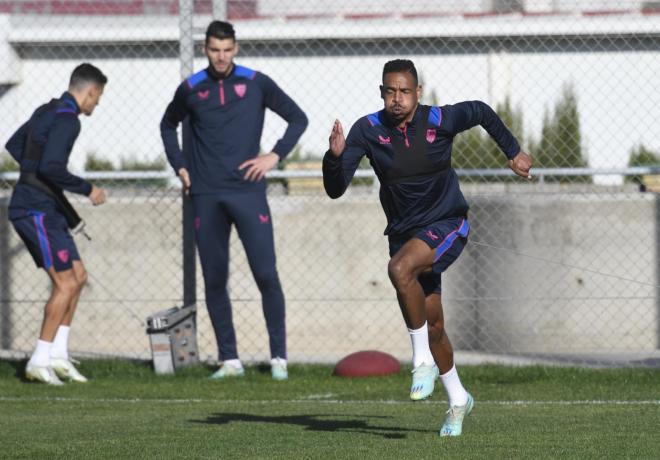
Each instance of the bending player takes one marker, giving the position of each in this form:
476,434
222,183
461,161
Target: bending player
37,211
409,147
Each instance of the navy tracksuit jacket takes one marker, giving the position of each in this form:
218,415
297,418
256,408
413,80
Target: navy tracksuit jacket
226,121
226,117
416,190
56,129
51,130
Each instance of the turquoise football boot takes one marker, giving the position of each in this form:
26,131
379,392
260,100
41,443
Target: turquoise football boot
424,377
453,425
278,370
227,371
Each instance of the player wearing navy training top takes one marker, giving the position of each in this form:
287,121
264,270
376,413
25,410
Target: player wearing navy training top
409,147
42,146
224,174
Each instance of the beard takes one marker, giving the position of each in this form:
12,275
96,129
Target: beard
397,114
217,73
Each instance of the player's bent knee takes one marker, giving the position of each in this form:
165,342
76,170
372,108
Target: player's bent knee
68,286
81,277
436,331
399,272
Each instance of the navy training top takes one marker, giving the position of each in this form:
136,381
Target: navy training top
414,193
55,127
226,121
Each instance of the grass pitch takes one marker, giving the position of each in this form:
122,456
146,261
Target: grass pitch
126,411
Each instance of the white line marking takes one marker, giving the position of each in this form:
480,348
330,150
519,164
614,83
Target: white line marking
587,402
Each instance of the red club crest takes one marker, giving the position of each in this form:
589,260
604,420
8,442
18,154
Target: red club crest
430,135
240,89
63,255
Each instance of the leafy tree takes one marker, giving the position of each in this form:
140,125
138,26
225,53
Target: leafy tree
513,119
560,144
429,96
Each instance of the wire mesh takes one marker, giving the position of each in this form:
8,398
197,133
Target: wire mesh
562,268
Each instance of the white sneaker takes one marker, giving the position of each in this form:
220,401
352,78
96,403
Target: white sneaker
43,374
66,370
278,369
227,370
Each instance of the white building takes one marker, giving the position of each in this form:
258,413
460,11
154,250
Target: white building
331,66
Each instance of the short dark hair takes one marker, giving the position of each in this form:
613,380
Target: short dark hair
400,66
86,73
220,30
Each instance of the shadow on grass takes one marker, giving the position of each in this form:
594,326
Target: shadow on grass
316,422
19,369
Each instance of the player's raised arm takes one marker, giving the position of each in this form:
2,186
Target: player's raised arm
342,158
337,140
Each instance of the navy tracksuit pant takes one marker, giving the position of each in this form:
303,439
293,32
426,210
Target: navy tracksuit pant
248,211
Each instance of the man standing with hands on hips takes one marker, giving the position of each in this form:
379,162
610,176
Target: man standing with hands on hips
225,176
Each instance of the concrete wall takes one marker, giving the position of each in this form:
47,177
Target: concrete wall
522,297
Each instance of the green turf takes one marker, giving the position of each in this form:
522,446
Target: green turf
523,412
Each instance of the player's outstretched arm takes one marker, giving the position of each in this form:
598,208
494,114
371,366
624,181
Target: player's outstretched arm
521,164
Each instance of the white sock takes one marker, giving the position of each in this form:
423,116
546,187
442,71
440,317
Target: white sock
457,394
60,348
278,360
41,355
236,363
420,345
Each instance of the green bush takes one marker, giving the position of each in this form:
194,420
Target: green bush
132,164
96,163
8,164
560,145
641,156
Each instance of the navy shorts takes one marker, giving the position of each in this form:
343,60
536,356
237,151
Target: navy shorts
447,238
48,239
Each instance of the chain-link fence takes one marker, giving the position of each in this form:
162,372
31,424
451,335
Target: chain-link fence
563,268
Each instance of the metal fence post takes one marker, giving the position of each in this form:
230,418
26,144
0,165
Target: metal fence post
187,55
657,267
5,282
219,10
